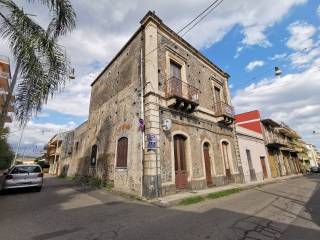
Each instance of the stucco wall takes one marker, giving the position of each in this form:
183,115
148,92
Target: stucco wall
254,142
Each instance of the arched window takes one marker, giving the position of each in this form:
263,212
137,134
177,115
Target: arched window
122,152
93,159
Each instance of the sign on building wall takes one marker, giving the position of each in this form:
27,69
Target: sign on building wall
152,141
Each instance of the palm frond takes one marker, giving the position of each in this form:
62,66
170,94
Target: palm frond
43,64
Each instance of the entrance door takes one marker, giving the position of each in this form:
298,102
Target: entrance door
207,164
264,168
180,161
272,164
226,159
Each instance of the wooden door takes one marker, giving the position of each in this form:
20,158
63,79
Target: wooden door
207,163
226,159
264,168
175,78
180,162
272,164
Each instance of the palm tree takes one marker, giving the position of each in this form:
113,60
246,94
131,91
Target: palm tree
40,62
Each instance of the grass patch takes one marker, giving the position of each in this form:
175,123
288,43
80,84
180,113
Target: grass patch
223,193
196,199
191,200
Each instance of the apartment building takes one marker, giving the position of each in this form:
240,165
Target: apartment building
283,156
160,118
59,152
5,76
312,155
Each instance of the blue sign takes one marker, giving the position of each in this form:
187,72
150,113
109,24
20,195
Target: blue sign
152,141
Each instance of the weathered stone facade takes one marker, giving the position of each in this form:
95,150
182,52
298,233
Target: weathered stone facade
133,87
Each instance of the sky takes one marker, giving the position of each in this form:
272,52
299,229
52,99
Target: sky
246,38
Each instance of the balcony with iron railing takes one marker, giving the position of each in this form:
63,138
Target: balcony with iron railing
183,90
274,139
186,96
223,109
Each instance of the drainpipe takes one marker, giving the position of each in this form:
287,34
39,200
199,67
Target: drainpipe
142,117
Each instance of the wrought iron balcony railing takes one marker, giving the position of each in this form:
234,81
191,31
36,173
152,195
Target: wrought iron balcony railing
223,109
182,90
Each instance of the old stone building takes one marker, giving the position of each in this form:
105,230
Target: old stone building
160,118
282,152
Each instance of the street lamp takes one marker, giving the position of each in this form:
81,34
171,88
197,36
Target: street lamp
277,71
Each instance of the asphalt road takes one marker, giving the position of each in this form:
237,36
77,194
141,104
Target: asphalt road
286,210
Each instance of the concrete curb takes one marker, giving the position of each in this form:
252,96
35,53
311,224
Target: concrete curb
173,200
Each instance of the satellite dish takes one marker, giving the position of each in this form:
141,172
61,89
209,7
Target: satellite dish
166,124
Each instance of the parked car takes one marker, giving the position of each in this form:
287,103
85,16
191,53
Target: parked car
315,169
24,176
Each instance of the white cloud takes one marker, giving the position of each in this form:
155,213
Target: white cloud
301,40
75,99
35,135
254,64
292,98
304,59
278,56
301,35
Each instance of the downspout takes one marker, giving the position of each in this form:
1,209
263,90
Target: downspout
142,117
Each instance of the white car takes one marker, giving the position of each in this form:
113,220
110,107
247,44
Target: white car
24,176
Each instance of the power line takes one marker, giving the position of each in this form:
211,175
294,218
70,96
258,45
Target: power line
188,24
197,17
202,18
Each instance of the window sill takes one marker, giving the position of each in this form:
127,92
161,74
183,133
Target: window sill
121,168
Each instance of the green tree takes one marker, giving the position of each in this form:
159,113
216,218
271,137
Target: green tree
40,62
6,154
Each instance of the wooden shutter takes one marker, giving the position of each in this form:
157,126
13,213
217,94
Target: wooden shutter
122,152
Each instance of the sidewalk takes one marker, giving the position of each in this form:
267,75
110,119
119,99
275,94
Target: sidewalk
174,199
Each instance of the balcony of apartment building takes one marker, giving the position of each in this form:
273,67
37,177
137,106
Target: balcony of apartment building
274,139
181,95
4,73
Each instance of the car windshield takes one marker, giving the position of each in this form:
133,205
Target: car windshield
26,169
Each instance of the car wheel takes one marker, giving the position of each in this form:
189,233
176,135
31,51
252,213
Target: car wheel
38,189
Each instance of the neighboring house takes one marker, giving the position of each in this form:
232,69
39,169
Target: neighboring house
252,148
283,155
160,118
59,149
302,153
5,76
312,155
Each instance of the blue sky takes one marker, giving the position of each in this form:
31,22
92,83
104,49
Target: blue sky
246,38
